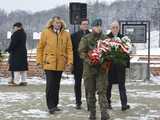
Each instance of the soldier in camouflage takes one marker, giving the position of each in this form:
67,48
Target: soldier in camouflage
94,75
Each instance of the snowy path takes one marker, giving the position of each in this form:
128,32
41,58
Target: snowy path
28,103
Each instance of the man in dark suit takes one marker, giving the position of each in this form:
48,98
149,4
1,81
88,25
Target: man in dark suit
77,61
117,72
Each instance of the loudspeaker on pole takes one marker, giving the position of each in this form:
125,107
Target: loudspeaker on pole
77,11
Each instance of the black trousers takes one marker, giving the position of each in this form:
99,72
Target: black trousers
77,86
122,92
117,76
52,87
12,76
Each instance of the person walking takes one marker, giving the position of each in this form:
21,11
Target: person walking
77,61
117,72
94,75
18,64
54,55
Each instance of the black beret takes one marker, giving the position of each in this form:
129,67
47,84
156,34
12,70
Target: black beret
17,24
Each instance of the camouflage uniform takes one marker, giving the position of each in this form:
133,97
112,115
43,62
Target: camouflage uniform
94,77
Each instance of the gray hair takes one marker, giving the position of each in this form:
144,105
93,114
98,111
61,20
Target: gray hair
115,23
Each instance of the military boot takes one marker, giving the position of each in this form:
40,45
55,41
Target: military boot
92,115
104,116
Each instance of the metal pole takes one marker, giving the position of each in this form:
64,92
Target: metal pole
159,28
158,3
148,51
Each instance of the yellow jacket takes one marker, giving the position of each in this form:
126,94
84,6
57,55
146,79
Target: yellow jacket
54,51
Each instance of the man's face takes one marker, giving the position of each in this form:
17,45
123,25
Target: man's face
97,29
115,29
57,25
84,25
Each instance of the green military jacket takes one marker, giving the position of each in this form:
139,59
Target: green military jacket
87,44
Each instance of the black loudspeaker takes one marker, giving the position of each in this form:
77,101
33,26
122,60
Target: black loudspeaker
77,11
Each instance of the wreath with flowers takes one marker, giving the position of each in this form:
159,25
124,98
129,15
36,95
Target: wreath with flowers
111,49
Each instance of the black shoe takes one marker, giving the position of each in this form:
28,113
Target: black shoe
57,109
126,107
53,110
78,107
23,84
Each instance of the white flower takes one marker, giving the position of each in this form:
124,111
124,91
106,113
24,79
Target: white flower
117,39
126,39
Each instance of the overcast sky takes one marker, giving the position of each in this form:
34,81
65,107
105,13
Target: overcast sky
37,5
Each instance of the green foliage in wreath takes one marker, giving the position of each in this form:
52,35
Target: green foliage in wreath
116,56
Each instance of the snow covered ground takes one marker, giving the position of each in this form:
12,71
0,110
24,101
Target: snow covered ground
28,103
67,79
153,51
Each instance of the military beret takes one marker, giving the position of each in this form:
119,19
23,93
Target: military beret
97,22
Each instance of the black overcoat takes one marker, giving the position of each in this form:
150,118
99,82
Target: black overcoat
117,72
18,52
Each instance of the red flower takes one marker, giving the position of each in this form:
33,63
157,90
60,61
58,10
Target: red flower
94,56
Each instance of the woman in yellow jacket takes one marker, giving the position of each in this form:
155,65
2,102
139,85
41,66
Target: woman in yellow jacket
55,55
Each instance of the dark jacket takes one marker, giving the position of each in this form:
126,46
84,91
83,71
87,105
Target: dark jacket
77,61
18,52
87,44
117,71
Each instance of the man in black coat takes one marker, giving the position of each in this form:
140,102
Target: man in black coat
77,61
117,72
18,54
